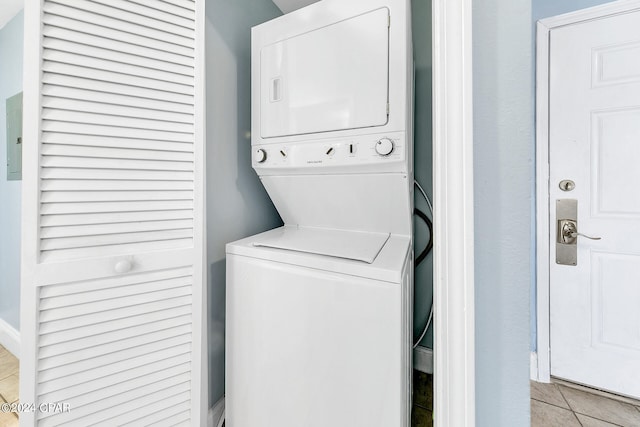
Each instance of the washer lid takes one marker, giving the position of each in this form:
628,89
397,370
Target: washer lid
355,245
389,264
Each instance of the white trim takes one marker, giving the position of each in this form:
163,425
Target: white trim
200,370
30,203
216,413
542,202
533,366
423,359
454,322
544,28
10,338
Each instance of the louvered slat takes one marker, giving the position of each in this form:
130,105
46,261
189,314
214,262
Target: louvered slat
158,412
112,239
115,88
123,174
158,14
114,218
59,45
152,372
125,16
114,153
110,337
115,77
183,9
174,345
69,289
125,227
103,43
111,163
100,207
114,34
187,4
160,391
120,314
115,250
114,131
56,8
95,329
109,141
67,104
112,196
58,56
102,294
110,120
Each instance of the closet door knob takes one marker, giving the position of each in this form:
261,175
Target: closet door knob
123,266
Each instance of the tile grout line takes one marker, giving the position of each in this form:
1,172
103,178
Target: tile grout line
551,404
557,386
577,419
587,415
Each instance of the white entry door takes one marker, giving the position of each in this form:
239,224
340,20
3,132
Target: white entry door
112,290
594,130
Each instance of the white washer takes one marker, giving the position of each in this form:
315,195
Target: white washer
315,340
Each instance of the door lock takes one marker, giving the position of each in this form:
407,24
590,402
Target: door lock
567,232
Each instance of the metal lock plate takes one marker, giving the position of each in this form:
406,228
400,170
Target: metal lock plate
567,226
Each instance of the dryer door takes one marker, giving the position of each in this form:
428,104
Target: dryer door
333,78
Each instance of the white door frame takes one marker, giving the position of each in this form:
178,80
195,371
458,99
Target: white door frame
542,372
454,339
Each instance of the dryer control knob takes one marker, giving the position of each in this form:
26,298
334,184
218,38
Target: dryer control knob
384,147
260,155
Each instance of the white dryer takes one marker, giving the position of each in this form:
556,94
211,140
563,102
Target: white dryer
319,312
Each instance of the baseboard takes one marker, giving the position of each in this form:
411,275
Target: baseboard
10,338
533,366
215,413
423,359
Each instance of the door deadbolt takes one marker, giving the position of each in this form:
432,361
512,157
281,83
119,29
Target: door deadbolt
567,185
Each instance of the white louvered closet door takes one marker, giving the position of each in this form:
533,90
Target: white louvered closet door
112,292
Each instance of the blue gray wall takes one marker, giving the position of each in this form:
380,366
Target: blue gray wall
11,38
237,204
546,8
503,174
422,52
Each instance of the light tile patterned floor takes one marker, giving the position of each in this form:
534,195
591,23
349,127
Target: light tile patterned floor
557,405
552,405
8,386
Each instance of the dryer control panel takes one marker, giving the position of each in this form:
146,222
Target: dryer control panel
355,154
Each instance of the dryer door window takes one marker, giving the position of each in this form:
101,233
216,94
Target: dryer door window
333,78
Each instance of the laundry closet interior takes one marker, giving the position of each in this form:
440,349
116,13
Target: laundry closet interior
237,204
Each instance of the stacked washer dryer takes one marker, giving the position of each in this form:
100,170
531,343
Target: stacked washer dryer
319,312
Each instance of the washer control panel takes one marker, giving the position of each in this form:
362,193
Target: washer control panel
343,153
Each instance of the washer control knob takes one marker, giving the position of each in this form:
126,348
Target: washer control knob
260,155
384,147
